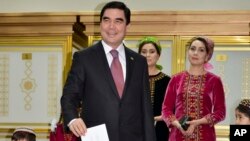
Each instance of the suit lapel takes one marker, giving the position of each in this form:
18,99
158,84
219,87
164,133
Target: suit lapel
129,69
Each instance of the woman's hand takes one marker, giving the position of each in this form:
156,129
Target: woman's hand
158,118
178,126
192,125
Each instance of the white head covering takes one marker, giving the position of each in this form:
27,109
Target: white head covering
24,129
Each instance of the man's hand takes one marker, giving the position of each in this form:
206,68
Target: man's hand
78,127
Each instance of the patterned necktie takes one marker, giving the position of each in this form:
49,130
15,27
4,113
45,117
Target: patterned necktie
116,70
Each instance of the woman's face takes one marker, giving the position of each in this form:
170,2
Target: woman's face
197,54
149,51
241,118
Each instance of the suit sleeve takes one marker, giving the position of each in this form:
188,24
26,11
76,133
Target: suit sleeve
72,90
147,108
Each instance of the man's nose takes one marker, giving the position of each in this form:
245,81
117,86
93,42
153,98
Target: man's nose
111,24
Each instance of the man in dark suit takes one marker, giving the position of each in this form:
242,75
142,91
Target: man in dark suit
128,117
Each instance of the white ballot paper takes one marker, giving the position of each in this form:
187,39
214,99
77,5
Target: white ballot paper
96,133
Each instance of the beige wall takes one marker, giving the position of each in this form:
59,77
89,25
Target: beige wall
8,6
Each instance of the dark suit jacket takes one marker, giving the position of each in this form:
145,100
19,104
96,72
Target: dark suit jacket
90,80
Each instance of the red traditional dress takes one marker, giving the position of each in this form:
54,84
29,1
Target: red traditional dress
197,96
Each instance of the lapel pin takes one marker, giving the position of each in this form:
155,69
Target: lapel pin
131,58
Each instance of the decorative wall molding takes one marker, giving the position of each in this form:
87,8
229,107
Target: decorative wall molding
36,23
178,23
43,24
142,23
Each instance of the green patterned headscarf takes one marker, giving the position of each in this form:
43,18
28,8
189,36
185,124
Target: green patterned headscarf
155,42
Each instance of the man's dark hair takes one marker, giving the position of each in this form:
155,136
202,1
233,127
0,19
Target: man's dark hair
117,5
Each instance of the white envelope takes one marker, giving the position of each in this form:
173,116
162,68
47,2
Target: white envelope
96,133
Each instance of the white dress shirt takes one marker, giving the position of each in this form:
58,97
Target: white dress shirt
122,57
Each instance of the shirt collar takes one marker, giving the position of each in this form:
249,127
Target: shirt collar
120,49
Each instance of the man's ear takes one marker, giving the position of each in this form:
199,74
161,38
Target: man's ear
128,26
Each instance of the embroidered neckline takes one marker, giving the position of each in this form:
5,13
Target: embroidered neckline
194,76
152,80
156,77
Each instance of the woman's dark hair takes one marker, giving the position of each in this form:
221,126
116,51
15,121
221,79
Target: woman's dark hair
150,40
117,5
243,109
153,43
203,40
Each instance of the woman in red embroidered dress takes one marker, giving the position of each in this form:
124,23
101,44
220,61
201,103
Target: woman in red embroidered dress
196,93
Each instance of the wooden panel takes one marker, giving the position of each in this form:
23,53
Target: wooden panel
45,17
37,23
179,23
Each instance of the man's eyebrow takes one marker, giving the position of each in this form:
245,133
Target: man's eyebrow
120,19
105,17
